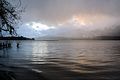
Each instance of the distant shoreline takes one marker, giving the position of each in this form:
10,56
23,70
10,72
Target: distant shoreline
61,38
68,38
16,38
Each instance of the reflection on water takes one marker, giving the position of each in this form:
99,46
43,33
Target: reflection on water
95,59
40,47
39,52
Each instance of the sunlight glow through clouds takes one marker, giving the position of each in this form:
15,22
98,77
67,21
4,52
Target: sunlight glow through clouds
95,21
78,21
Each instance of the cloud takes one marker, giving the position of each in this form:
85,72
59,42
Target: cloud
33,29
70,18
39,26
57,11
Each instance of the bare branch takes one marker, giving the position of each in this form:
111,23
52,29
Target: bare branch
8,17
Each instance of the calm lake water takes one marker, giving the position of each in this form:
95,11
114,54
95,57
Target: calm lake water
67,60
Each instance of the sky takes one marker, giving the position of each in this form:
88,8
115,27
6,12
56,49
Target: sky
70,18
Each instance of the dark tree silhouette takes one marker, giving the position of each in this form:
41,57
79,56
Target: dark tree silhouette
9,16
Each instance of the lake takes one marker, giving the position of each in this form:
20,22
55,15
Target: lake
67,59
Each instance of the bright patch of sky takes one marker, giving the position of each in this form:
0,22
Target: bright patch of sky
33,29
38,26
